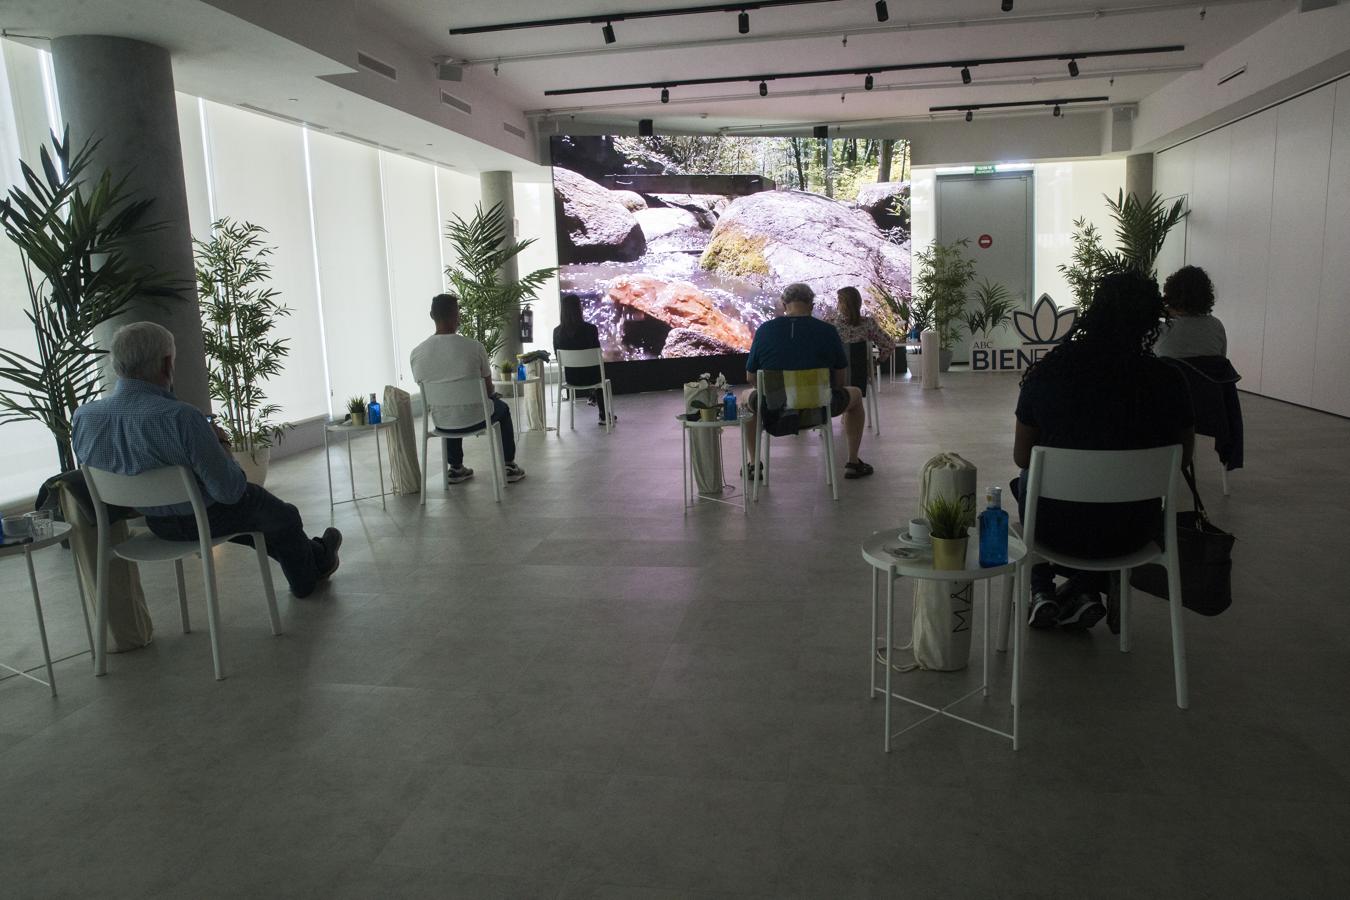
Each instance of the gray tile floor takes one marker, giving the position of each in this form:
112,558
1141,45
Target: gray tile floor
582,693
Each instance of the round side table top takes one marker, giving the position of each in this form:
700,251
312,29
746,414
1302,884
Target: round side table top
714,423
10,546
347,426
883,550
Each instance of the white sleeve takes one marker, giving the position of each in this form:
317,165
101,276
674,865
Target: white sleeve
484,366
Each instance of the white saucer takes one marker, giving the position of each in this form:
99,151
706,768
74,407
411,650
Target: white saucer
906,541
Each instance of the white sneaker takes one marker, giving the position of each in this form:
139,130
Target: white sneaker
460,474
514,473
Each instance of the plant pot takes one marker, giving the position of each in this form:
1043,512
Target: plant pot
944,360
359,418
254,464
708,415
949,554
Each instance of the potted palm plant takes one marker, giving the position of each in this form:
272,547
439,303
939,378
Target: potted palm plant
1089,262
486,299
941,275
950,520
239,317
994,308
71,230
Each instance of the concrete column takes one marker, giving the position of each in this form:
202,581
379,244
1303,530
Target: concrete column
1139,175
120,92
496,188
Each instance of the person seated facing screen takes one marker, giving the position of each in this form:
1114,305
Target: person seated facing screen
1191,328
575,333
797,340
445,356
141,426
856,328
1100,389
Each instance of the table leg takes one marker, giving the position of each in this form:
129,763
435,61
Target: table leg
351,465
745,496
328,467
42,625
684,466
379,464
890,645
872,639
985,686
84,604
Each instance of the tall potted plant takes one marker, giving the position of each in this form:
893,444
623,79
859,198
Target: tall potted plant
71,230
994,308
1089,262
1141,229
940,278
239,315
485,299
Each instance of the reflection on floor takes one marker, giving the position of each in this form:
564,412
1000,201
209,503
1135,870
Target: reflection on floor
583,693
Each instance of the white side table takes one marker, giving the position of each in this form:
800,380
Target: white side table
26,546
686,458
517,392
349,430
883,552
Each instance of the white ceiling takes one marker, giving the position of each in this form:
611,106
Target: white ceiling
813,37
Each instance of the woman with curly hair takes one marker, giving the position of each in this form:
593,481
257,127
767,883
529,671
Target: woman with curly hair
1191,329
1101,389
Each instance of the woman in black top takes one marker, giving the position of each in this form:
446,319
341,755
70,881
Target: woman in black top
1101,389
575,333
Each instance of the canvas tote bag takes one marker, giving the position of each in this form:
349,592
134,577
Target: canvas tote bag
706,445
943,609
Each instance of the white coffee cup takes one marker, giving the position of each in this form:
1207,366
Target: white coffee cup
920,532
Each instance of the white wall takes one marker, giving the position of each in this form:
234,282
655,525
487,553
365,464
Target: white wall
1270,224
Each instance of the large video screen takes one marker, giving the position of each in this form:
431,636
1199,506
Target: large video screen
681,246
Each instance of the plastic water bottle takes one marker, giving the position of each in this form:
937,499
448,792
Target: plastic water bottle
729,406
994,531
373,411
521,374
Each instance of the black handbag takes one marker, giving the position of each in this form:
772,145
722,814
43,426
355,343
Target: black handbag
1205,553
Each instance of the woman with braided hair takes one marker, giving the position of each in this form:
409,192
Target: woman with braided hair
1101,389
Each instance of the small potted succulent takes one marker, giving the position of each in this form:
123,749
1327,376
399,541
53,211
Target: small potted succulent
950,521
357,407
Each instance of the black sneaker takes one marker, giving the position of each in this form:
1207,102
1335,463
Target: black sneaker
858,469
332,542
514,473
748,467
1082,612
458,474
1044,610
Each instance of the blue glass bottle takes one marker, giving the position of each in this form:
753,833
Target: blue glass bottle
521,374
994,531
373,411
729,406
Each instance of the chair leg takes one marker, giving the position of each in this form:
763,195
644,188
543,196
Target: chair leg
498,466
572,410
445,464
608,391
1178,633
182,596
101,601
265,569
1125,611
212,611
761,453
831,473
557,409
426,461
1223,477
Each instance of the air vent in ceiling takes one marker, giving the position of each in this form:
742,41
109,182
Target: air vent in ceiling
1231,75
508,127
376,66
451,100
271,114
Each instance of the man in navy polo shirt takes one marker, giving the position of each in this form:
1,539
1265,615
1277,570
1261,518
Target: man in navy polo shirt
797,340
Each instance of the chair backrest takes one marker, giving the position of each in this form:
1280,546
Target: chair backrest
793,389
1101,476
580,359
464,391
164,486
860,355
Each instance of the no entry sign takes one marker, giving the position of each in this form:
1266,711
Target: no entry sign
985,241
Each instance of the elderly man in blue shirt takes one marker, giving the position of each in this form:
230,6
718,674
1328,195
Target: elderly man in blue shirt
140,426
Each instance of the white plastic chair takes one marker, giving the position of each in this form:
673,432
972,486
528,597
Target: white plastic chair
167,486
459,392
1111,476
762,437
580,359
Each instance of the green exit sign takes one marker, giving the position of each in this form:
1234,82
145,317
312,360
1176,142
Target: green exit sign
984,170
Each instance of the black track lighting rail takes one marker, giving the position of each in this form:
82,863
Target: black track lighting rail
608,18
867,70
1054,101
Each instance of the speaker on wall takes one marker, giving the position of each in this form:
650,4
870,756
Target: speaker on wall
821,131
645,128
449,72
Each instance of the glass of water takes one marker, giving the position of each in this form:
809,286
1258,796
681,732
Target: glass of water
39,524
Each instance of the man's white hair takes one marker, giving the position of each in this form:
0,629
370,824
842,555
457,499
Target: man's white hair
797,292
139,349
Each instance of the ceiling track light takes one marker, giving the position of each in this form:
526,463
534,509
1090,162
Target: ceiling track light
969,115
1073,68
743,22
608,32
963,64
611,17
763,89
1057,112
1007,6
1055,102
665,95
882,12
868,83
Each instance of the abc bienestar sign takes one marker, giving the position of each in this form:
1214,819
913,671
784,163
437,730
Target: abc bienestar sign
1041,329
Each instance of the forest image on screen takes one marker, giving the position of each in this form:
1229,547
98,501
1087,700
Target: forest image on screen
680,246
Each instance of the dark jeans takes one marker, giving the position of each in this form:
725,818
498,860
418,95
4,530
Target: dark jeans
1043,574
302,558
598,396
454,447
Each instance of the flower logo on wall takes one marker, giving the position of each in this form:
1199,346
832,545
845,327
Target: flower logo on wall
1046,323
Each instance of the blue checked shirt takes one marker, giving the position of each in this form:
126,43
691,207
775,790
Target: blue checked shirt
140,426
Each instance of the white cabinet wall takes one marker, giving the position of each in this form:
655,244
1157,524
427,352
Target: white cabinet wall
1270,221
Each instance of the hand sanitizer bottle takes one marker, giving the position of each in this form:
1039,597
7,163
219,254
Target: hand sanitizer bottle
994,531
373,411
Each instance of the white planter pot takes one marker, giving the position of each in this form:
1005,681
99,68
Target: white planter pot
255,464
